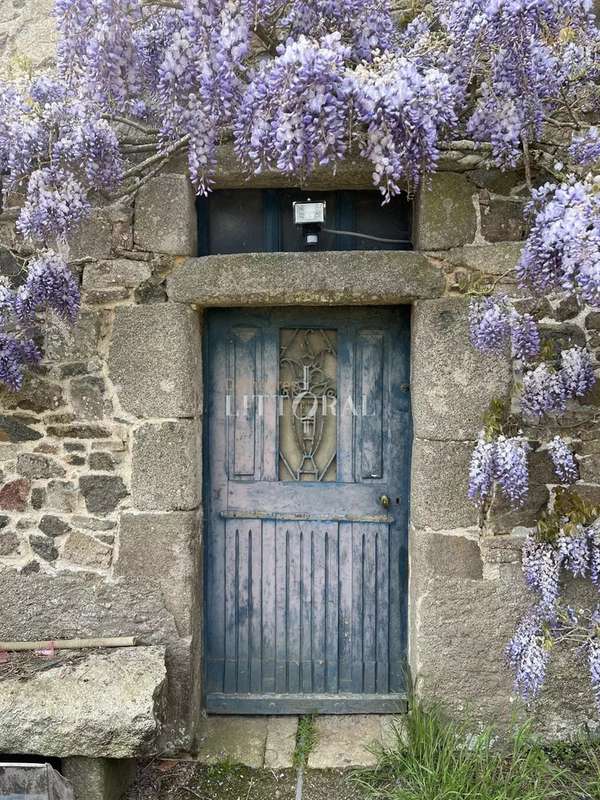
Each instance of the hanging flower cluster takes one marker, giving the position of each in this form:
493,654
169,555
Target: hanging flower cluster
547,390
563,248
494,322
502,462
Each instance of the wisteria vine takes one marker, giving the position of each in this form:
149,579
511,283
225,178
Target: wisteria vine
300,85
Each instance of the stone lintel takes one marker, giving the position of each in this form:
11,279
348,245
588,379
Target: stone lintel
290,279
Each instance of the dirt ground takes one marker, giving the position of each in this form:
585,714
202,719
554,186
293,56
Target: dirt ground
186,780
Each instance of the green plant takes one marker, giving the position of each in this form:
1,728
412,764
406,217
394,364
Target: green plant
306,739
431,758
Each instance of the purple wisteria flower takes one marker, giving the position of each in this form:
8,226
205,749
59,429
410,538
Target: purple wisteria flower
575,551
542,563
547,390
502,461
593,657
49,284
528,653
563,459
493,322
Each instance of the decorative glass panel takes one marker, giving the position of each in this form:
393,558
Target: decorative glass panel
308,389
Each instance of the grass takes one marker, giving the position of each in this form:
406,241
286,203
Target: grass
433,759
306,740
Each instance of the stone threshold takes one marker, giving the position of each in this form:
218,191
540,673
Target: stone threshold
342,741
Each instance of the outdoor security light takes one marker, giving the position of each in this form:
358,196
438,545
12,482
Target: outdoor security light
311,216
308,213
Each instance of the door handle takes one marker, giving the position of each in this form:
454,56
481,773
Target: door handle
385,501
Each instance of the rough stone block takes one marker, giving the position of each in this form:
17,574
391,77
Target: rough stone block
237,739
11,430
99,778
106,704
502,221
14,495
452,384
93,238
490,259
87,396
164,547
86,551
54,526
165,216
154,360
34,465
43,546
166,467
74,344
270,279
9,543
449,555
445,213
111,274
102,493
440,473
37,395
62,496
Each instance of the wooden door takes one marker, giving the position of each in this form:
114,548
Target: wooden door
307,472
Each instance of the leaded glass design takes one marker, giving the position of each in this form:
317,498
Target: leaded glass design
308,390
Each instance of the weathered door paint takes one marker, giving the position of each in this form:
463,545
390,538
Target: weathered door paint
307,466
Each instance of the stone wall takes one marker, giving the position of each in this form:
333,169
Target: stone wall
101,459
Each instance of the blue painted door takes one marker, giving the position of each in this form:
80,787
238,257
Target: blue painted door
307,471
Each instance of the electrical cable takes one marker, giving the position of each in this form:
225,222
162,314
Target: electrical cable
364,236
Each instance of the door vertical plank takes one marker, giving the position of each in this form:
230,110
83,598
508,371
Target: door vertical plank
268,407
319,610
293,607
269,628
243,409
358,560
345,610
244,580
382,572
281,559
397,656
231,606
346,419
370,444
215,610
332,613
307,600
256,610
370,606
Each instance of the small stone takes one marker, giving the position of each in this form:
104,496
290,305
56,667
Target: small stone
48,449
76,461
592,321
76,344
87,397
4,521
150,292
25,523
72,447
13,495
101,462
87,551
39,396
32,568
78,431
38,497
32,465
94,524
102,493
102,297
43,546
118,273
11,430
9,543
107,538
60,419
567,308
78,368
62,495
54,526
502,221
